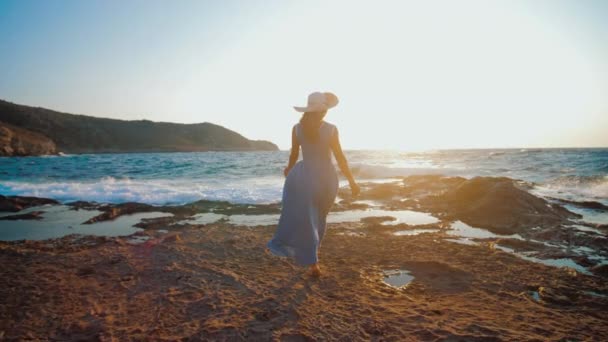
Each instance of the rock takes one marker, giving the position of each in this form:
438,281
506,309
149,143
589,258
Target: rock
77,205
34,215
111,212
601,270
554,296
499,205
18,203
583,204
85,271
417,185
16,141
172,238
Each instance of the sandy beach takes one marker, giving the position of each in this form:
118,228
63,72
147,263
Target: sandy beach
216,281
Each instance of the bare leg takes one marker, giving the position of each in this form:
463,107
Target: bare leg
315,270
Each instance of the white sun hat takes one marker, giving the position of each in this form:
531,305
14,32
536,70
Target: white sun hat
319,102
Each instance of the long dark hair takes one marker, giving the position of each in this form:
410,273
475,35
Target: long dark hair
311,122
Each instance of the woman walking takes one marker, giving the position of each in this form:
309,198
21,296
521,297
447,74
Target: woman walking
311,184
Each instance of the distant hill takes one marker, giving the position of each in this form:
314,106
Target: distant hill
86,134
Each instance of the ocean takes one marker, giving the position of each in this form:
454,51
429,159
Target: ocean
257,177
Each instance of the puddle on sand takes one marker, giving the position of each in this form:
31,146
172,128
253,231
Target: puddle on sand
402,216
380,181
465,233
535,296
254,220
562,262
463,241
414,232
595,294
590,215
370,203
356,234
203,218
463,230
583,250
409,217
586,229
138,239
239,220
60,220
397,278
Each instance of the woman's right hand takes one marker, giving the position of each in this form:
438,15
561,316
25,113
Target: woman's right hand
286,171
355,189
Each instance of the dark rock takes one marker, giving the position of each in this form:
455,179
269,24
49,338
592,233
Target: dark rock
34,215
172,238
583,204
601,270
18,203
85,271
499,205
418,185
77,205
112,212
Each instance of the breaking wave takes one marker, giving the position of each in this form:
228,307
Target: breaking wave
579,188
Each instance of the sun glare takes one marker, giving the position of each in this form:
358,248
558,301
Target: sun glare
411,75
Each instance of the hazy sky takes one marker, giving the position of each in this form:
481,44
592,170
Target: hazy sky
409,74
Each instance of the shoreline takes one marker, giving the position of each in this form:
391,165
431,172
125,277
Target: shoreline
495,262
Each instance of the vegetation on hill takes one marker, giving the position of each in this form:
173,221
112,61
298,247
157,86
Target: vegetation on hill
86,134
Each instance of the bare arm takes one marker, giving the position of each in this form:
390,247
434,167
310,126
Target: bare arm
295,152
343,163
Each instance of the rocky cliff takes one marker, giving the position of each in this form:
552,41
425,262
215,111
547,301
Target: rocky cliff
15,141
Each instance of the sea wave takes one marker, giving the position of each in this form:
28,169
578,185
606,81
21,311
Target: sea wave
578,188
256,177
155,192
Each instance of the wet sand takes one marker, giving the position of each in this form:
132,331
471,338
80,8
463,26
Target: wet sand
217,282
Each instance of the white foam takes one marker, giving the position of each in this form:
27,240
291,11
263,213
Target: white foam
576,188
156,192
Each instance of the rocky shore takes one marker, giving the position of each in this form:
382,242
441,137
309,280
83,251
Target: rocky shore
179,279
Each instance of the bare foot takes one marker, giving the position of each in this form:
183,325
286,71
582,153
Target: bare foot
315,270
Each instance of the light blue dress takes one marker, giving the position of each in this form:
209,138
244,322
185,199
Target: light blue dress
308,194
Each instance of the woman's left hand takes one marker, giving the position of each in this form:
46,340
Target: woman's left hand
286,171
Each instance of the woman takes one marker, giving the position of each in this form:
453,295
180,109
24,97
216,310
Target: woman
311,184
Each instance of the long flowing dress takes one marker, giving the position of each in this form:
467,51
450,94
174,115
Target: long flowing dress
308,194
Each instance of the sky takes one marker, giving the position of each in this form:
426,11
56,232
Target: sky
410,75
